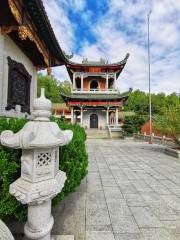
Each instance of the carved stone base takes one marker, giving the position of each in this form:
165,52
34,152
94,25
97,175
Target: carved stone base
27,192
40,221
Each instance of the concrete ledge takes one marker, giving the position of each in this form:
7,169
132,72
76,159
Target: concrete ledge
63,237
172,152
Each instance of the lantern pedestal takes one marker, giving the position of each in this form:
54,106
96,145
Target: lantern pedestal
40,221
41,180
63,237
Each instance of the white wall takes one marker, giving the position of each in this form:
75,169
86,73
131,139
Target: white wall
101,118
9,48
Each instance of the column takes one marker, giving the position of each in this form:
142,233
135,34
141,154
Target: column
74,78
115,85
107,81
107,116
82,78
72,115
117,116
40,221
81,116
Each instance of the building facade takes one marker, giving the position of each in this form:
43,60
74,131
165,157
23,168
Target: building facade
95,99
27,44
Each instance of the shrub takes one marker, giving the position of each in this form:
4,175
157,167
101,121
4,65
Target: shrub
133,123
73,160
169,123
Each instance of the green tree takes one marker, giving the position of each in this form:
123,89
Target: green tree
138,102
169,122
53,87
132,124
159,101
65,87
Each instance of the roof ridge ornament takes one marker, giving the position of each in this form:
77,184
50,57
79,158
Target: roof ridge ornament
68,56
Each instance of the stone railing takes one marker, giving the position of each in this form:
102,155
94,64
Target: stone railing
115,131
155,139
109,130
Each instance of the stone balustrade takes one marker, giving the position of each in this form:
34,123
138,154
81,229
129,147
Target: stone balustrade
156,139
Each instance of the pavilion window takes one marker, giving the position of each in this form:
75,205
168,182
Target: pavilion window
94,84
78,83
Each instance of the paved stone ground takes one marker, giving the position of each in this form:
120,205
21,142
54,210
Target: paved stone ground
132,192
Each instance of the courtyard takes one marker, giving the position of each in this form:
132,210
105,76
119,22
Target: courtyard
131,192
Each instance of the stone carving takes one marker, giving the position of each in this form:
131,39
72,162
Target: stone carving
19,82
112,118
41,180
5,234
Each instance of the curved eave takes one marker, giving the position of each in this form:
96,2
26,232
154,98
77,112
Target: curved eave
119,66
40,18
121,97
71,64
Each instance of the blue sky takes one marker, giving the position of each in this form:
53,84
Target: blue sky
110,28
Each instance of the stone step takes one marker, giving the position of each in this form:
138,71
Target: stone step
97,134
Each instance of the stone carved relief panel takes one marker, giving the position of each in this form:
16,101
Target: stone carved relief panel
19,82
44,159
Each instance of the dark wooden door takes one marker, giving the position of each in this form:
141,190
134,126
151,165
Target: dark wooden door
94,121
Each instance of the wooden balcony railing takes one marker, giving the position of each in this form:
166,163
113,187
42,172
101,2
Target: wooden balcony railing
109,91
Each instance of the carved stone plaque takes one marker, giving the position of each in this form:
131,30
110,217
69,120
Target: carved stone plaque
19,82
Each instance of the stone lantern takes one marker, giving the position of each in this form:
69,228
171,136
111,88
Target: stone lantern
41,180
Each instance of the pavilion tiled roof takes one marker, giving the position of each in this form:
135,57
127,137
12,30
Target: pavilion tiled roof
41,20
100,63
96,96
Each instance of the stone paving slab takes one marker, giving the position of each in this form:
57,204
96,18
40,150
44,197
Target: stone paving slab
99,235
132,192
63,237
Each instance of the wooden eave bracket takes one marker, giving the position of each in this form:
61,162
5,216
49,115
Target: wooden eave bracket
25,31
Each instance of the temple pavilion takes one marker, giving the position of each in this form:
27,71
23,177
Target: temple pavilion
95,99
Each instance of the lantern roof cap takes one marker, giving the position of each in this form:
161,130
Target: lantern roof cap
42,107
40,133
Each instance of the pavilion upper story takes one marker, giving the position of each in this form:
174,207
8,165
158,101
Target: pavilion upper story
95,76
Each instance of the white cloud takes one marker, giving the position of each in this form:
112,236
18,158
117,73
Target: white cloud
60,22
77,5
122,29
114,40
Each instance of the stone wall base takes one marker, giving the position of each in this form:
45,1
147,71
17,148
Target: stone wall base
172,152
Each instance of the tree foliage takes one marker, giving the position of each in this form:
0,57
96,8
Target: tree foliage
53,87
169,123
139,102
165,108
132,124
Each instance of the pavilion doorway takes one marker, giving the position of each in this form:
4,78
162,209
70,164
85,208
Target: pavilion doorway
94,121
94,85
